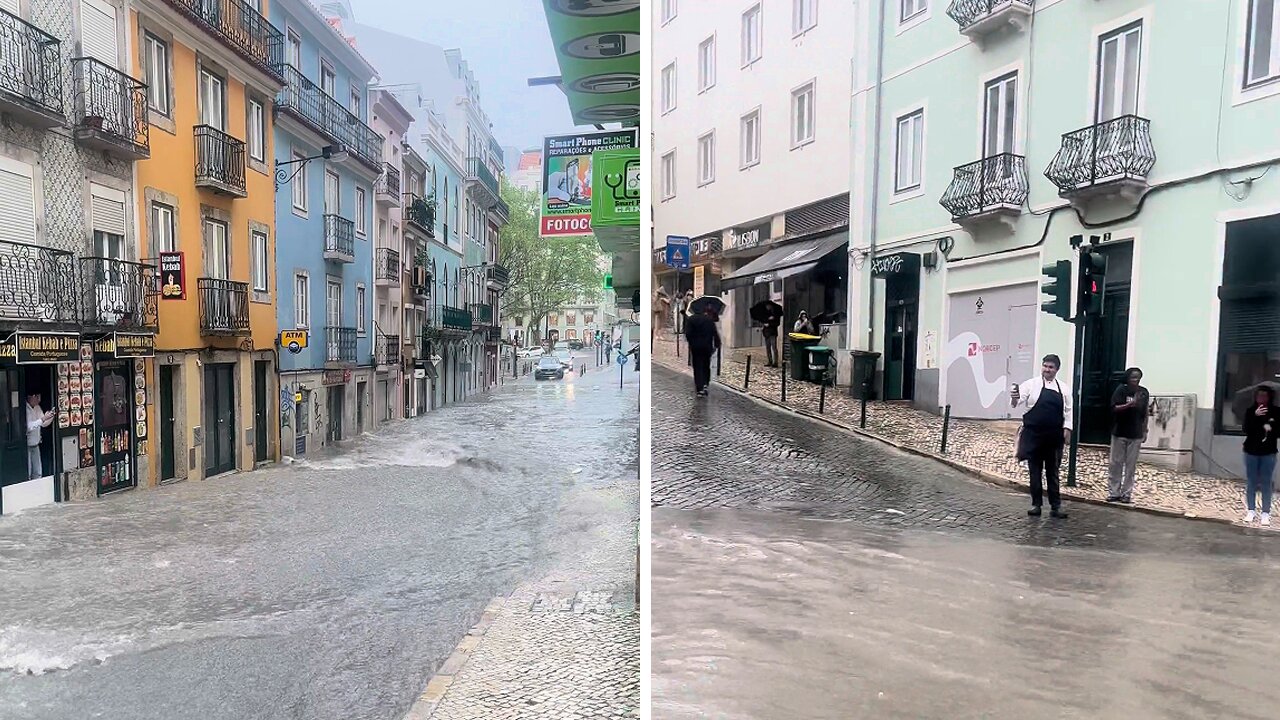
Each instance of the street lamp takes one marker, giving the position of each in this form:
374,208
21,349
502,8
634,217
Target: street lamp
334,153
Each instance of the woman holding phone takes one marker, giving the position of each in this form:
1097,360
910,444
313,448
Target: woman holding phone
1261,422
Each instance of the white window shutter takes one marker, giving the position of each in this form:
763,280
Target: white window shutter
107,210
13,7
17,205
98,36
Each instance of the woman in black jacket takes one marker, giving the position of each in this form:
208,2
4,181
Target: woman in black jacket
1261,423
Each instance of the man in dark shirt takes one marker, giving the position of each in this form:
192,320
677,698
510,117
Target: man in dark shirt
1130,406
704,340
770,333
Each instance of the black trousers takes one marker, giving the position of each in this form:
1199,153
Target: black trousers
1044,461
701,359
771,349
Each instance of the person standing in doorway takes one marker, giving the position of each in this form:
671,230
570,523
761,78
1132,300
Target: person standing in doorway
704,340
1130,406
770,333
1046,427
1261,423
37,421
804,324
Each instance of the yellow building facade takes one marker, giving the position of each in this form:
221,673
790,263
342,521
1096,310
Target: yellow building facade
206,204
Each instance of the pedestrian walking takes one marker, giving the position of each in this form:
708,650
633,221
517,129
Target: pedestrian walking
1130,407
37,420
1046,427
1260,425
770,333
703,340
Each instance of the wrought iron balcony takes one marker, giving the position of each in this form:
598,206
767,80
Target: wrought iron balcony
241,28
493,334
339,345
482,314
224,306
1112,155
420,213
339,239
111,110
306,102
386,267
30,72
219,162
447,321
388,185
386,351
978,18
992,186
498,277
118,294
37,285
478,173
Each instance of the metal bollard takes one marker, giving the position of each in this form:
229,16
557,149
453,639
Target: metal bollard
863,420
822,398
746,380
784,381
717,362
946,425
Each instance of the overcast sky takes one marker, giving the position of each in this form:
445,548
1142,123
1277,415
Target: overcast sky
505,42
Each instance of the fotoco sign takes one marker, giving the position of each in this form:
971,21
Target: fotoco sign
567,182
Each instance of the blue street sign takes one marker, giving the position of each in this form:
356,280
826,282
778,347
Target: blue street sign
678,252
622,358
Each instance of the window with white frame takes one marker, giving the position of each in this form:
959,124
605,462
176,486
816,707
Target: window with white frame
217,249
261,261
257,130
669,88
752,34
669,175
361,298
1000,113
912,8
295,50
803,122
1119,63
707,64
299,170
362,211
302,300
333,302
669,10
156,60
804,15
707,159
749,153
1262,51
909,159
163,229
17,203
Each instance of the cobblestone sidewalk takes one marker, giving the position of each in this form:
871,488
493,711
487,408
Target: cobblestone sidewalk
981,446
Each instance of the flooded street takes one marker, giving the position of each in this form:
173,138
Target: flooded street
330,588
800,572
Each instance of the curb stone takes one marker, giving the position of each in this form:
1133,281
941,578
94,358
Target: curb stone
984,475
425,706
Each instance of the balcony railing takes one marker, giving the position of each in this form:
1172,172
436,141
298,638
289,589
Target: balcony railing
224,306
482,313
447,320
37,284
219,161
386,350
1118,150
389,182
339,344
240,28
499,275
994,184
418,211
386,268
339,239
980,16
478,171
311,105
30,69
111,109
118,294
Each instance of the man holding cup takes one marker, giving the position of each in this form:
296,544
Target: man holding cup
1046,427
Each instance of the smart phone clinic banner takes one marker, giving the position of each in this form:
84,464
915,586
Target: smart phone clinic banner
566,178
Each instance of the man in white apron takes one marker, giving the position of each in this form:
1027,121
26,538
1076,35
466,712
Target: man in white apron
1046,427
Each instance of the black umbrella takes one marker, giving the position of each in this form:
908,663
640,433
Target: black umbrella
699,306
763,310
834,318
1243,400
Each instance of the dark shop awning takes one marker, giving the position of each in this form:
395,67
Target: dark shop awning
785,261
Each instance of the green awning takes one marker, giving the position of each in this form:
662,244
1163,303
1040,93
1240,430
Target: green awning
598,46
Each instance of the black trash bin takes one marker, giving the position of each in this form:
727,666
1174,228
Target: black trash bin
819,357
799,357
864,373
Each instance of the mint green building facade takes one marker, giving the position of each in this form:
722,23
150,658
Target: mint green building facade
985,139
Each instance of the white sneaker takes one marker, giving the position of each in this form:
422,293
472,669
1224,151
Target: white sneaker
1266,519
1248,517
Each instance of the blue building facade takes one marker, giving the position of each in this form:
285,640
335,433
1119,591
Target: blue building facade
328,161
445,252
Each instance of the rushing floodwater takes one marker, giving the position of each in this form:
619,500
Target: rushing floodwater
329,588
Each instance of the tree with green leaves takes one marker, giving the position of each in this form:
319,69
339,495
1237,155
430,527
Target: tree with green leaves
546,273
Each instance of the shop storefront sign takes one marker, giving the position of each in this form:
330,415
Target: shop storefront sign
567,192
701,249
30,348
747,238
125,345
615,195
173,276
336,377
902,263
699,281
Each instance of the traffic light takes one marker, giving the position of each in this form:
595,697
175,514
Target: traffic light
1057,285
608,281
1093,282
